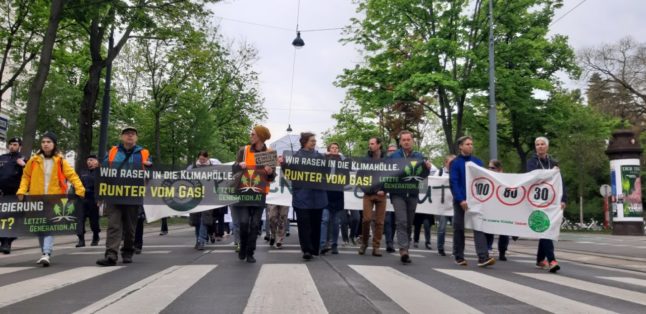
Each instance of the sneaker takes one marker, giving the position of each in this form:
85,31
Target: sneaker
554,267
163,233
441,252
307,256
212,238
200,246
95,240
250,259
461,262
272,241
428,246
137,250
266,238
279,245
335,250
416,245
5,249
237,249
242,255
287,234
486,262
390,249
126,259
81,243
405,258
362,250
376,252
542,265
106,262
43,260
325,250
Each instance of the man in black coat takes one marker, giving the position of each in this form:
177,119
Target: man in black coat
89,207
11,165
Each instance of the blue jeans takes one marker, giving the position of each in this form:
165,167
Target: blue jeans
330,216
201,232
46,243
441,232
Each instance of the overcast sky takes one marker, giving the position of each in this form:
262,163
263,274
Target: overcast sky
323,58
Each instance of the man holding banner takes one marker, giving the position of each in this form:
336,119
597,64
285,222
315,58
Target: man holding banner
374,197
122,218
543,161
405,203
459,190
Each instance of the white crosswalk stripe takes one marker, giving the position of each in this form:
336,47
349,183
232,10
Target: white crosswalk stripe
411,294
537,298
23,290
276,293
611,292
8,270
153,293
628,280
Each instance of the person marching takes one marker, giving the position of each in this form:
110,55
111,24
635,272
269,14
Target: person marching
405,203
249,216
442,220
542,160
122,218
11,167
503,240
374,197
330,218
89,207
458,183
46,173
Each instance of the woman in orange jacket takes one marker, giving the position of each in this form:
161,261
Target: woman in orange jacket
46,173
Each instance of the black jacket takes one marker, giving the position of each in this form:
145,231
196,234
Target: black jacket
10,173
88,178
373,189
547,163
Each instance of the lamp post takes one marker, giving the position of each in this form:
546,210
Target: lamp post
493,123
105,111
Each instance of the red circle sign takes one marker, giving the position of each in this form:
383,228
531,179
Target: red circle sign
482,189
510,196
541,195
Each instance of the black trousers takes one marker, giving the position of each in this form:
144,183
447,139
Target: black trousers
427,221
309,229
249,218
139,230
503,242
545,250
218,221
89,210
164,225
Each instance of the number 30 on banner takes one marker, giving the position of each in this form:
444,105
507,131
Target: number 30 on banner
541,195
482,189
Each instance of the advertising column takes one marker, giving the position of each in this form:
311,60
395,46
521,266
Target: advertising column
624,152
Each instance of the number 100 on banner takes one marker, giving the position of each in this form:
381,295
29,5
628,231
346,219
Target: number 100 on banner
514,204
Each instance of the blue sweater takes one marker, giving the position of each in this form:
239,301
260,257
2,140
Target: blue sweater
458,176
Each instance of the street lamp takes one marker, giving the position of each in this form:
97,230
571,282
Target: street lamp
298,42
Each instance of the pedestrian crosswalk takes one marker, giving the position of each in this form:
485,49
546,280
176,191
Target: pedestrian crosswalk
300,288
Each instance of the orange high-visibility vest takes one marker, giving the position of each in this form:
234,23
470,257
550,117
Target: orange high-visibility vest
114,150
250,160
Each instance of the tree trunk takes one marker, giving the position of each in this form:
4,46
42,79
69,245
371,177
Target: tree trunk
157,128
36,88
86,113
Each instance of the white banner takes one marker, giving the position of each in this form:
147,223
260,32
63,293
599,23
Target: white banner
435,199
527,205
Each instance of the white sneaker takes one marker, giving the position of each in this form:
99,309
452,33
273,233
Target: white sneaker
44,260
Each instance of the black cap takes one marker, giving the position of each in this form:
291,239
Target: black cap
129,128
50,135
92,156
15,140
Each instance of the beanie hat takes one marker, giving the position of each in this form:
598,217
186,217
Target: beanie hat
50,135
262,132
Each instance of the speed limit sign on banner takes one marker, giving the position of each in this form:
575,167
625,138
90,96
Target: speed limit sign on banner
525,204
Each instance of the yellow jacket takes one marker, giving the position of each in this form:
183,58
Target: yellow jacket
33,177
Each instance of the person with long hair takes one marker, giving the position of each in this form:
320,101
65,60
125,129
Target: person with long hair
46,173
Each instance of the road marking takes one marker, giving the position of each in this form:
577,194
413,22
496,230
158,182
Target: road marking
411,294
532,296
24,290
8,270
629,280
153,293
605,290
99,252
286,251
274,292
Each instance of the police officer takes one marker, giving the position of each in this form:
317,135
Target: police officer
11,165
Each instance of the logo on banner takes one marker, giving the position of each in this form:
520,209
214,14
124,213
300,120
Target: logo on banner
63,211
541,195
189,195
250,181
482,189
413,171
538,221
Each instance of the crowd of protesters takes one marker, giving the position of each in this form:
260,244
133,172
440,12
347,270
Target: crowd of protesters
321,215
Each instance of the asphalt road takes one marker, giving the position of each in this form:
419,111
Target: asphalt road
171,277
